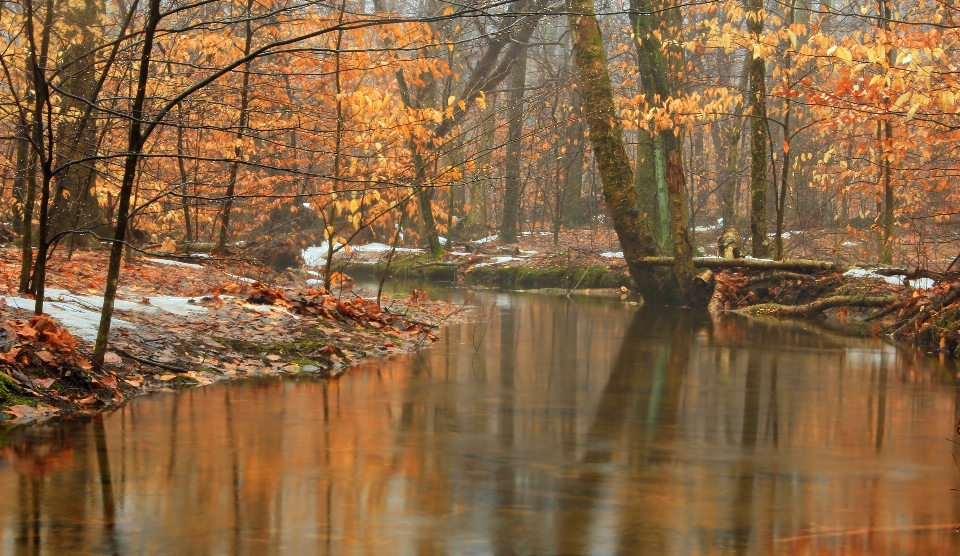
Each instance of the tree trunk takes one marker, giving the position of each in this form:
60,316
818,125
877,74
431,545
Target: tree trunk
134,148
78,135
477,217
610,154
238,145
758,135
573,164
511,194
730,187
660,64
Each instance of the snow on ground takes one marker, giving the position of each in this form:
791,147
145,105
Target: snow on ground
81,313
500,260
317,255
705,228
241,278
79,320
612,254
525,252
871,273
487,239
174,263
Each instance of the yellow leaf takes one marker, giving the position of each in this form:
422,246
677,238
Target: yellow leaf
450,100
844,55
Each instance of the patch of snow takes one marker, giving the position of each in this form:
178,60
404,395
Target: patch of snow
536,233
525,252
500,260
487,239
922,283
382,248
307,205
314,282
317,254
175,305
175,263
871,273
242,278
785,235
612,254
850,244
79,320
460,253
705,228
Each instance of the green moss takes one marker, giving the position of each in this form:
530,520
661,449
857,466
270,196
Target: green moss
9,395
304,351
566,277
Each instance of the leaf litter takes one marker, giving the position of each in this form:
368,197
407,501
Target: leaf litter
187,325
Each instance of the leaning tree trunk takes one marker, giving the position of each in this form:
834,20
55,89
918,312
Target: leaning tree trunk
610,154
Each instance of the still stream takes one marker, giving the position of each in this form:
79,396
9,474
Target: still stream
545,425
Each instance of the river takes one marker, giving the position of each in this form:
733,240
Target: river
545,425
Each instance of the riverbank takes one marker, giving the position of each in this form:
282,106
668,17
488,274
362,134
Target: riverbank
187,322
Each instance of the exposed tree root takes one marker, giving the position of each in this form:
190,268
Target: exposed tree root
807,309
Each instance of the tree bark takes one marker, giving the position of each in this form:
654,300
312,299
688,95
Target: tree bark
511,193
758,134
610,154
660,63
242,125
134,148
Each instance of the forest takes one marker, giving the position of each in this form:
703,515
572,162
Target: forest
258,128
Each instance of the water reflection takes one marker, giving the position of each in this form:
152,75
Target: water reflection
577,427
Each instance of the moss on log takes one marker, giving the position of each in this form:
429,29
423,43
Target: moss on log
807,309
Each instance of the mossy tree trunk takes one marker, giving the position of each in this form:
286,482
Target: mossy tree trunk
660,63
758,135
610,154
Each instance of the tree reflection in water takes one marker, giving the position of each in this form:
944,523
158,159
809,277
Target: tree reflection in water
580,427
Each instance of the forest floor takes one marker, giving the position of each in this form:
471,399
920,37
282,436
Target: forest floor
179,324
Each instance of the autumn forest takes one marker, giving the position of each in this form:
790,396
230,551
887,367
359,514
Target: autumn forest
231,125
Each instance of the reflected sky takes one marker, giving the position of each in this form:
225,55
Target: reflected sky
544,426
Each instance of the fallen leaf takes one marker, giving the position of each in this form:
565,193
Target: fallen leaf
135,382
168,376
112,358
46,356
27,331
44,382
273,357
19,411
110,382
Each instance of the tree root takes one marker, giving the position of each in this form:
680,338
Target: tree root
778,310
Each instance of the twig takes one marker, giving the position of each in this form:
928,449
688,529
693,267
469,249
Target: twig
152,362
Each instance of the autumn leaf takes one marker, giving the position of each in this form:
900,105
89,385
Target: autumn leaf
19,411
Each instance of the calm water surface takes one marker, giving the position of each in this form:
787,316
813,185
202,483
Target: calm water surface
546,426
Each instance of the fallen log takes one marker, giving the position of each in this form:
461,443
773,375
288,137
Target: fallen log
807,309
795,265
